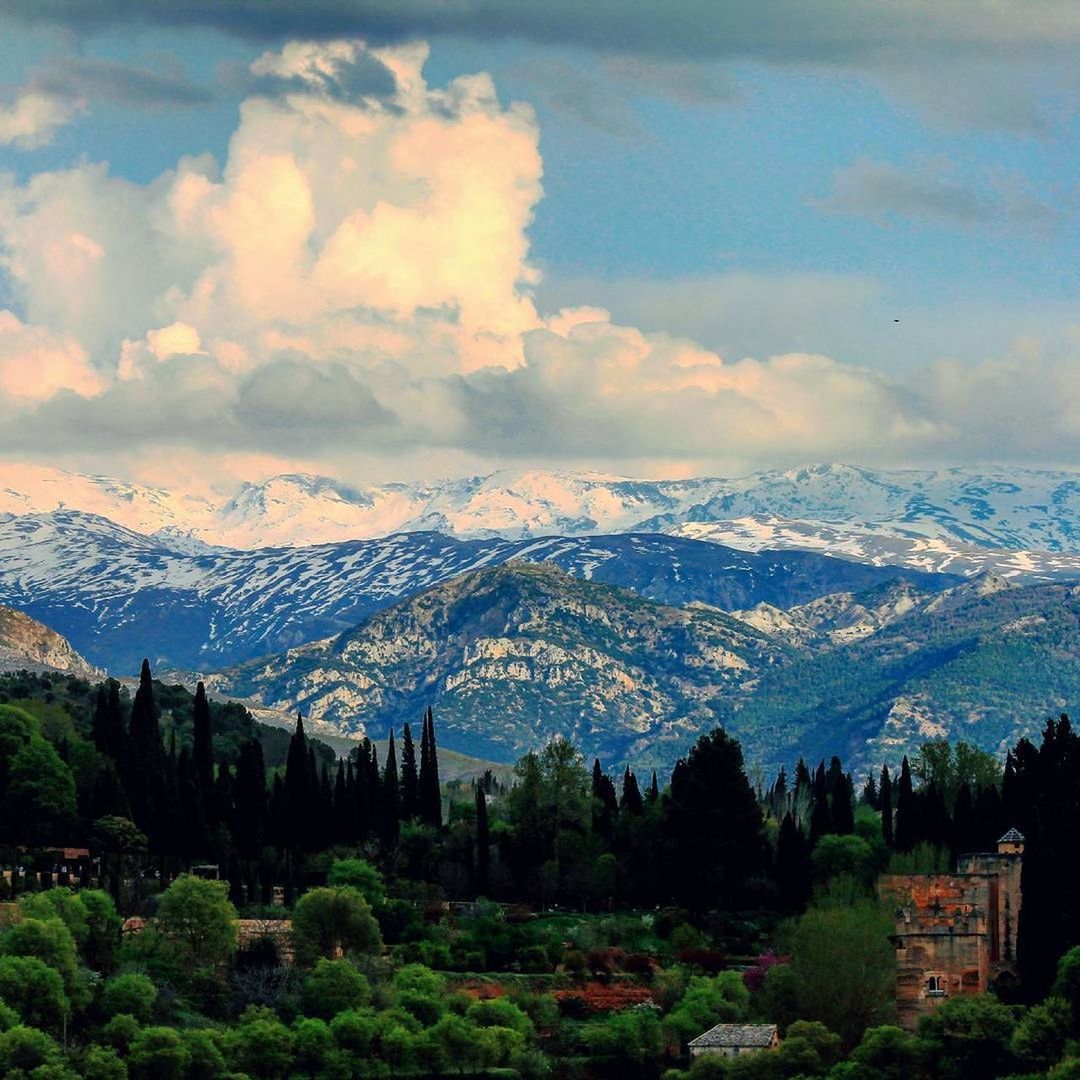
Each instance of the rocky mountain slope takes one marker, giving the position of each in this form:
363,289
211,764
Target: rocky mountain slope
120,595
513,655
1004,509
985,662
26,643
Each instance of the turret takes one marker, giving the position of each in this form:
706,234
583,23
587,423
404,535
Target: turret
1012,843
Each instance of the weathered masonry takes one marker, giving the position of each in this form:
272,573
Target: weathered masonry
955,933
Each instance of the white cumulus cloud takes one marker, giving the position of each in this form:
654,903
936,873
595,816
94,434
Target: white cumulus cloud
353,285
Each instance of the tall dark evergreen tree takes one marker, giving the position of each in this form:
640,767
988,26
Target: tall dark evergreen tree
203,744
342,806
713,825
631,795
249,814
906,821
410,778
391,798
885,796
145,731
483,842
605,803
144,771
653,794
870,793
842,810
820,813
297,786
430,789
793,868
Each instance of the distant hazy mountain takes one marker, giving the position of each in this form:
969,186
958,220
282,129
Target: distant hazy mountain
513,655
1007,508
120,595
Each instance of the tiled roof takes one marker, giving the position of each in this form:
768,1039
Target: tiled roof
1013,836
758,1035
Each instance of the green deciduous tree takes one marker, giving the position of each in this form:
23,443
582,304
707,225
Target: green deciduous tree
333,922
844,968
198,921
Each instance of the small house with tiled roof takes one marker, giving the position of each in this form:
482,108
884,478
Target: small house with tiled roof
732,1040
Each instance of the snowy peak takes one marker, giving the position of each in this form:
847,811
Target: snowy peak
921,518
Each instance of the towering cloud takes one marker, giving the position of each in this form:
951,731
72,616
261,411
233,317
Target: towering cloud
354,280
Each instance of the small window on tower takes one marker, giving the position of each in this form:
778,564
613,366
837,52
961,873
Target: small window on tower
936,985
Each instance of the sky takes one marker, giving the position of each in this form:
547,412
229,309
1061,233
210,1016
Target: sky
403,240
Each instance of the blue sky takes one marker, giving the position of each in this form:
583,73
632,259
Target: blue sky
889,202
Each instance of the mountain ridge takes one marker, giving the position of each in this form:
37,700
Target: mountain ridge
992,507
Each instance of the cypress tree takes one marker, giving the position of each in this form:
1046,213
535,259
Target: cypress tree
886,799
870,793
391,798
410,778
145,732
249,815
203,744
605,804
820,815
631,795
653,794
430,789
297,788
906,826
99,725
843,812
792,865
144,771
483,841
191,827
342,808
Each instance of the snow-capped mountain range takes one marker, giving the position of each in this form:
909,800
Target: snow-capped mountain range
993,508
121,595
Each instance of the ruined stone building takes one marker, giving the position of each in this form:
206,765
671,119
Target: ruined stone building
955,933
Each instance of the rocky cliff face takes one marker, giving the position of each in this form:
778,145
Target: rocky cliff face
513,655
26,643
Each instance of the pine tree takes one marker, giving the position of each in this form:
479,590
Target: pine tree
203,744
886,798
483,842
410,778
